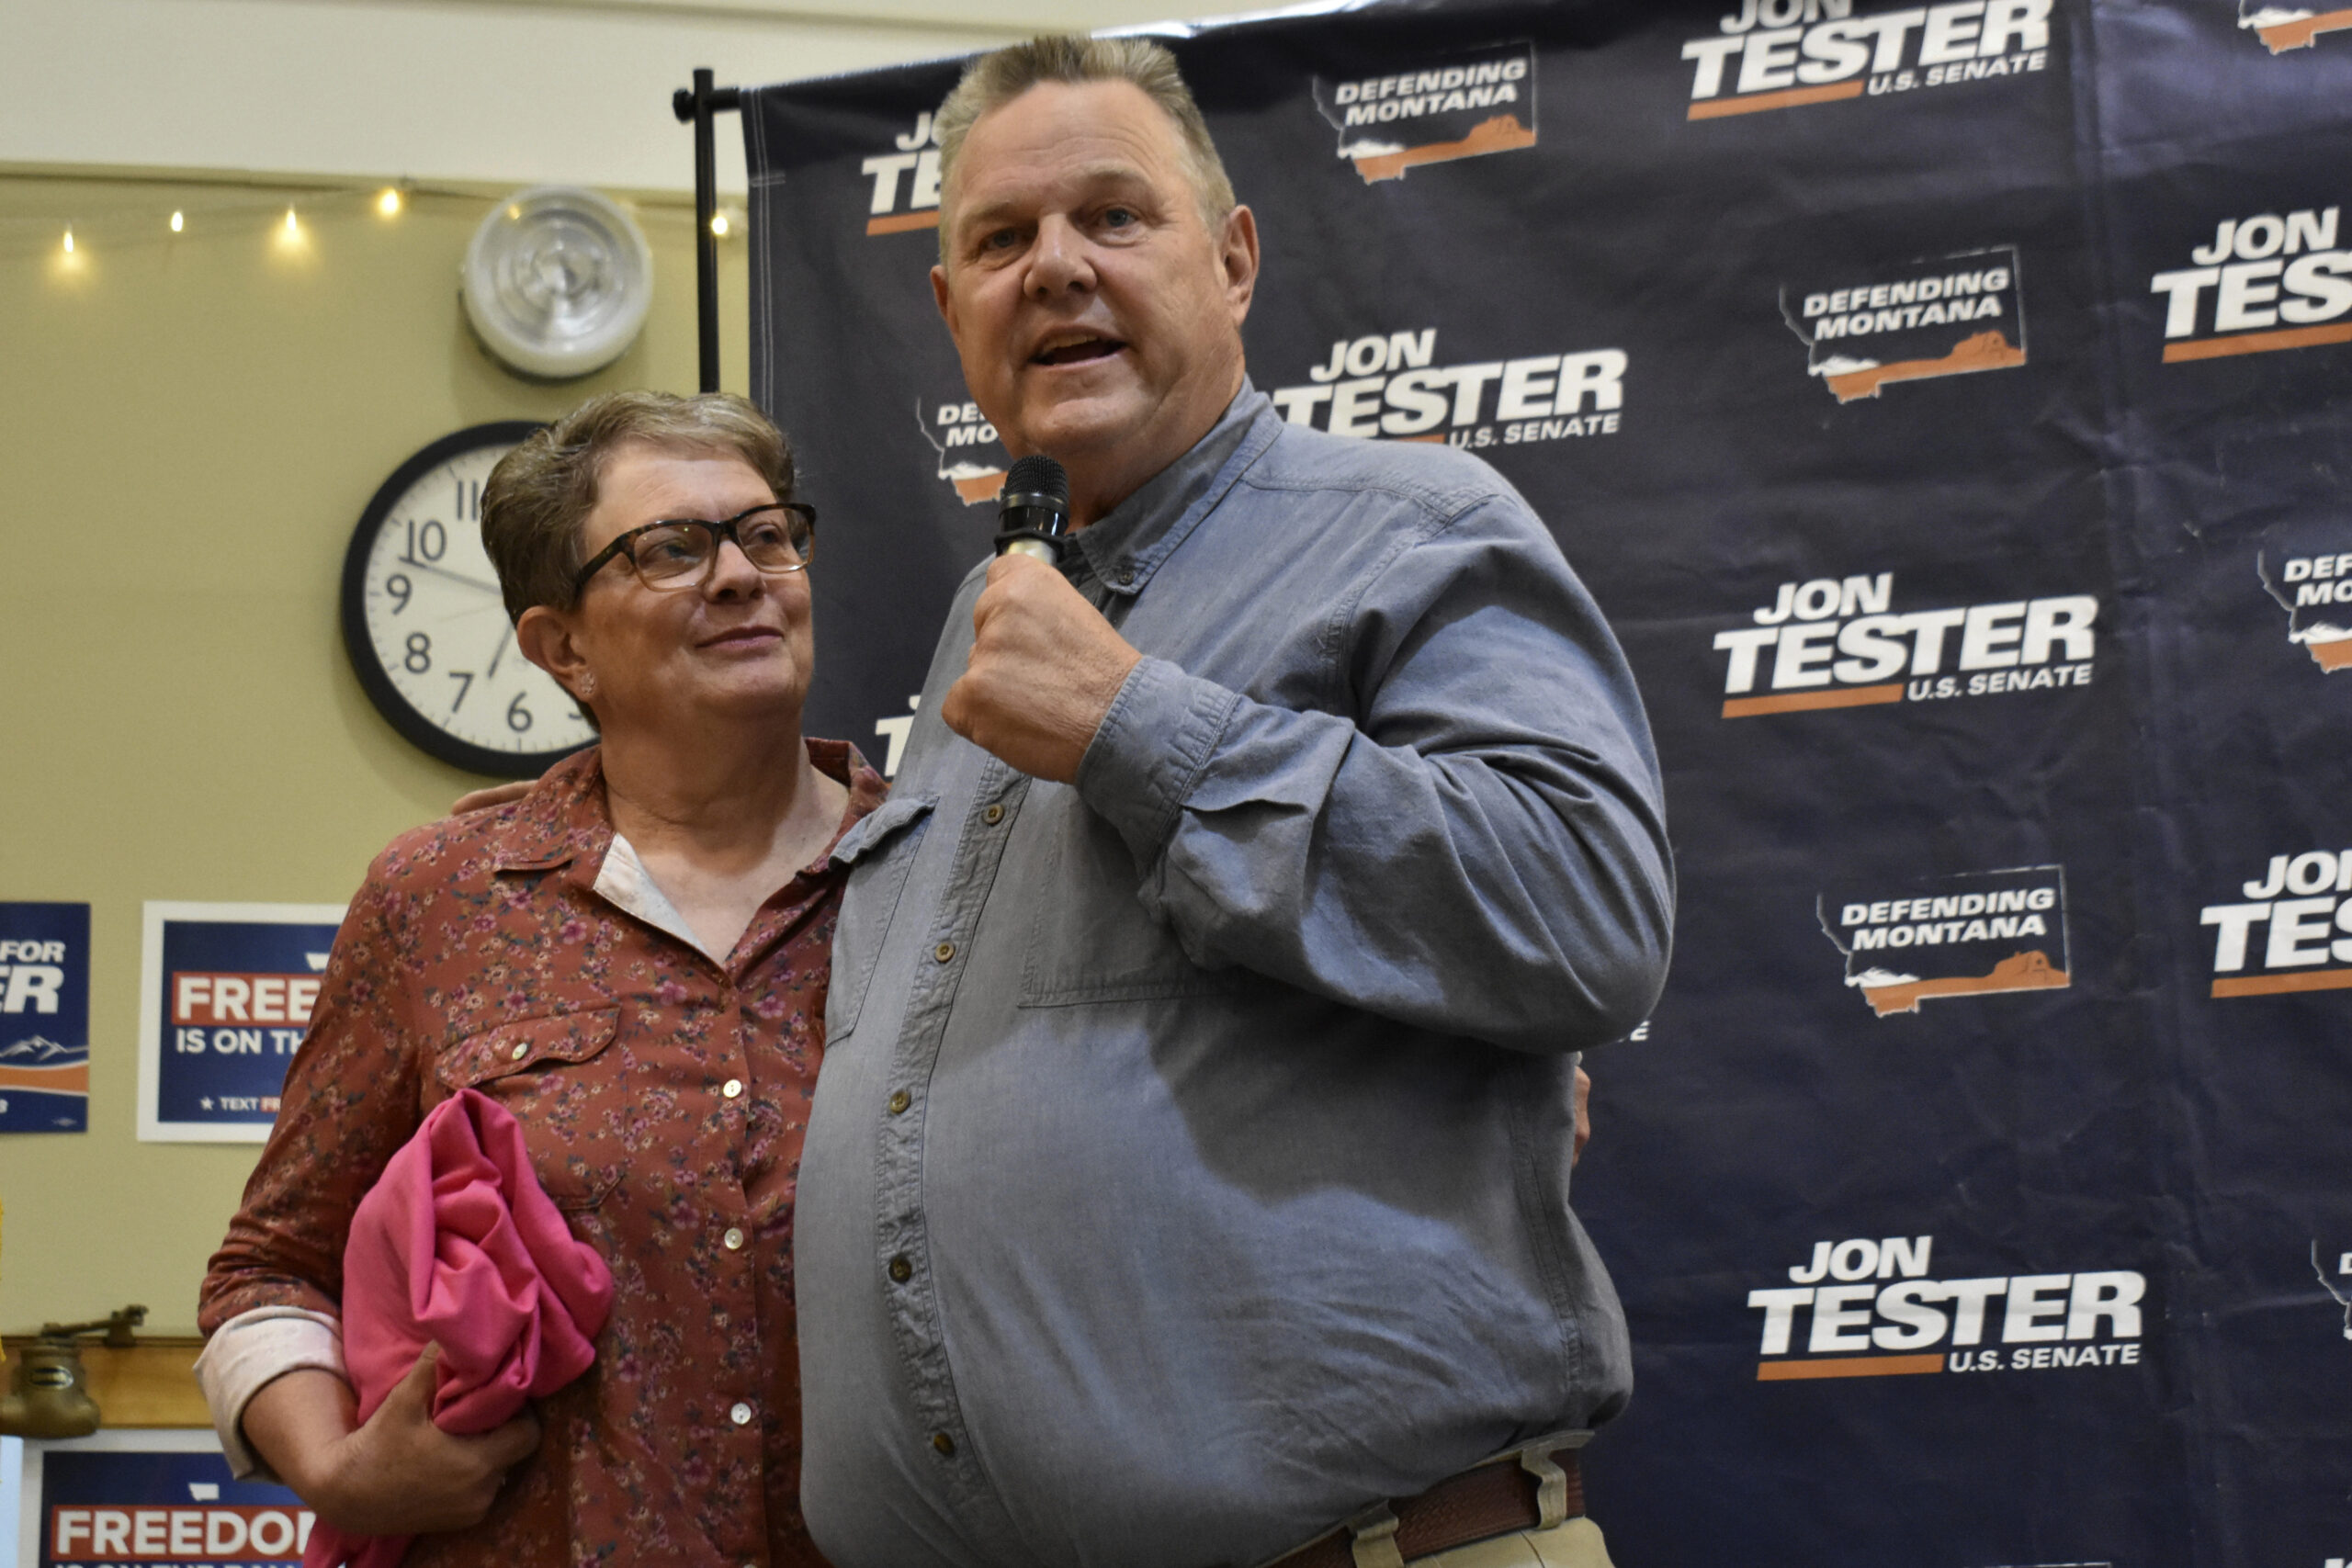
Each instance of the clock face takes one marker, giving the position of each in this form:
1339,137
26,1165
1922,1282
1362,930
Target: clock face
427,626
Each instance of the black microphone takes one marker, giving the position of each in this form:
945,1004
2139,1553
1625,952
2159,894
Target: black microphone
1033,509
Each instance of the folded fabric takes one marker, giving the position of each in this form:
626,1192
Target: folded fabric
457,1245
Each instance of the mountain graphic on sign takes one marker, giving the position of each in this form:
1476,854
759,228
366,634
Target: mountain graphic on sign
2283,28
1501,133
36,1049
1863,379
975,482
42,1065
2312,619
2019,972
2329,1286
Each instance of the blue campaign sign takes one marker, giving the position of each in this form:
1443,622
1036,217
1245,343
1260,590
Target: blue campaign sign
44,1018
153,1498
226,994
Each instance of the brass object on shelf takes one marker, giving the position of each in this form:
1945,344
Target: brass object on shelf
49,1396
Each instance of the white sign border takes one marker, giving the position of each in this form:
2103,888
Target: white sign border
153,1128
29,1452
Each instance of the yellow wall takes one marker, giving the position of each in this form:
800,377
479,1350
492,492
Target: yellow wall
189,426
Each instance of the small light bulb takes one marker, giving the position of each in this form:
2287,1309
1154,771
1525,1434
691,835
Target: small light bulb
179,221
388,204
718,224
291,225
68,242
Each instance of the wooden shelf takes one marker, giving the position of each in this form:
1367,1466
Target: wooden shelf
152,1384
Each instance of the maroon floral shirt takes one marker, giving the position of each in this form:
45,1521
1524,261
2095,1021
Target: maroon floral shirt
664,1098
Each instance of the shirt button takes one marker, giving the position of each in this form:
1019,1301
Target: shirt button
943,1443
899,1101
900,1269
733,1238
944,952
741,1415
731,1088
1127,576
521,1051
993,815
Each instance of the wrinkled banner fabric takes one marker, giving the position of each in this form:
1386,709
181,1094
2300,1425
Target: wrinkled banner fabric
1952,407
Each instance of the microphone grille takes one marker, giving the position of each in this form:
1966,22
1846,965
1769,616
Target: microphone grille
1038,474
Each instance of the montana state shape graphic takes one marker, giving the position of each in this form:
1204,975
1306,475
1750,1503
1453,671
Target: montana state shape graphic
1971,935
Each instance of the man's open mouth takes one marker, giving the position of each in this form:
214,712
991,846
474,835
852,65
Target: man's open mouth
1078,352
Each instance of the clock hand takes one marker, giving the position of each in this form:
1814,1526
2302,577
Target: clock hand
503,639
474,583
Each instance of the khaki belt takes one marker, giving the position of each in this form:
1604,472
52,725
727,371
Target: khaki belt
1533,1487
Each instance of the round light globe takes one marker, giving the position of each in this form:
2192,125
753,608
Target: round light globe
557,281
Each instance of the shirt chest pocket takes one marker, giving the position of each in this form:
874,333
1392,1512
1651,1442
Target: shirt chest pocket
879,852
1091,938
564,1083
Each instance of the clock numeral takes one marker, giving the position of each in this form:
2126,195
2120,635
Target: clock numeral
420,654
431,539
399,587
465,678
468,501
519,717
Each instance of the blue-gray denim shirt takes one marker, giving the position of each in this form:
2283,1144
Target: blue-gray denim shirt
1190,1161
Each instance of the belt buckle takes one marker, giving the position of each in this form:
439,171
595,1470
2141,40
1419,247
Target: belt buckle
1551,1481
1372,1537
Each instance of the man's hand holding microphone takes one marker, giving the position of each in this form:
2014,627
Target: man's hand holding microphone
1045,666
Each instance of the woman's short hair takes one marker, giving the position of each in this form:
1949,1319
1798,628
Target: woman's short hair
995,79
543,491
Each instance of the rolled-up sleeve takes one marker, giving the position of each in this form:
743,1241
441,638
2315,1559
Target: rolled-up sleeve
1470,839
247,1354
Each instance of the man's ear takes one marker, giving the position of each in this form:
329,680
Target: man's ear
544,637
1237,255
944,296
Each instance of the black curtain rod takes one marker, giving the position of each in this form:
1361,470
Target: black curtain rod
698,104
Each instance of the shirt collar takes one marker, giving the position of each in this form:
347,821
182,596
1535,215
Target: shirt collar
564,817
1126,544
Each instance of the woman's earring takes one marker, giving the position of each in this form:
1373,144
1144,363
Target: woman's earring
587,684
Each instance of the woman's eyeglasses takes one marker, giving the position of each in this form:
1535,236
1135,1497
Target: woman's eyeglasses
775,536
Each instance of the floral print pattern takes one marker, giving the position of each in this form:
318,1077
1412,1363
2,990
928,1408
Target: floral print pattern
664,1098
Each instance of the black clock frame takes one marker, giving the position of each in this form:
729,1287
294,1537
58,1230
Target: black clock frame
412,725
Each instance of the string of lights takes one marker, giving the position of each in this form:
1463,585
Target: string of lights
94,214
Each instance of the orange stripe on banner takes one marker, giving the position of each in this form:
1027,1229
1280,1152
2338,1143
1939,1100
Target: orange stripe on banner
2272,985
1716,109
901,222
1850,1367
1798,701
54,1080
2257,342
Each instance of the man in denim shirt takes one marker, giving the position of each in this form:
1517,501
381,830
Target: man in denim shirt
1187,1181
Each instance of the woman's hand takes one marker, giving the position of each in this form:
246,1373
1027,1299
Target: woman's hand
396,1475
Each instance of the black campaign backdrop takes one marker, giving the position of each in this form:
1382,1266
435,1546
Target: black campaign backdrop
1951,406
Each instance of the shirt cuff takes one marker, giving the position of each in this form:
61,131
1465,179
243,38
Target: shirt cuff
251,1350
1151,749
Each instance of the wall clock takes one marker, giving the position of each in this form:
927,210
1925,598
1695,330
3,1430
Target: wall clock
425,625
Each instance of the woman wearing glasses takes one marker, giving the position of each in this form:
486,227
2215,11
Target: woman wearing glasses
632,959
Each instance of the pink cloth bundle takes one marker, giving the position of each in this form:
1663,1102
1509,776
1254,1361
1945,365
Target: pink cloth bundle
457,1245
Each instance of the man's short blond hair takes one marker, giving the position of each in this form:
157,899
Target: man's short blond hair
995,79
